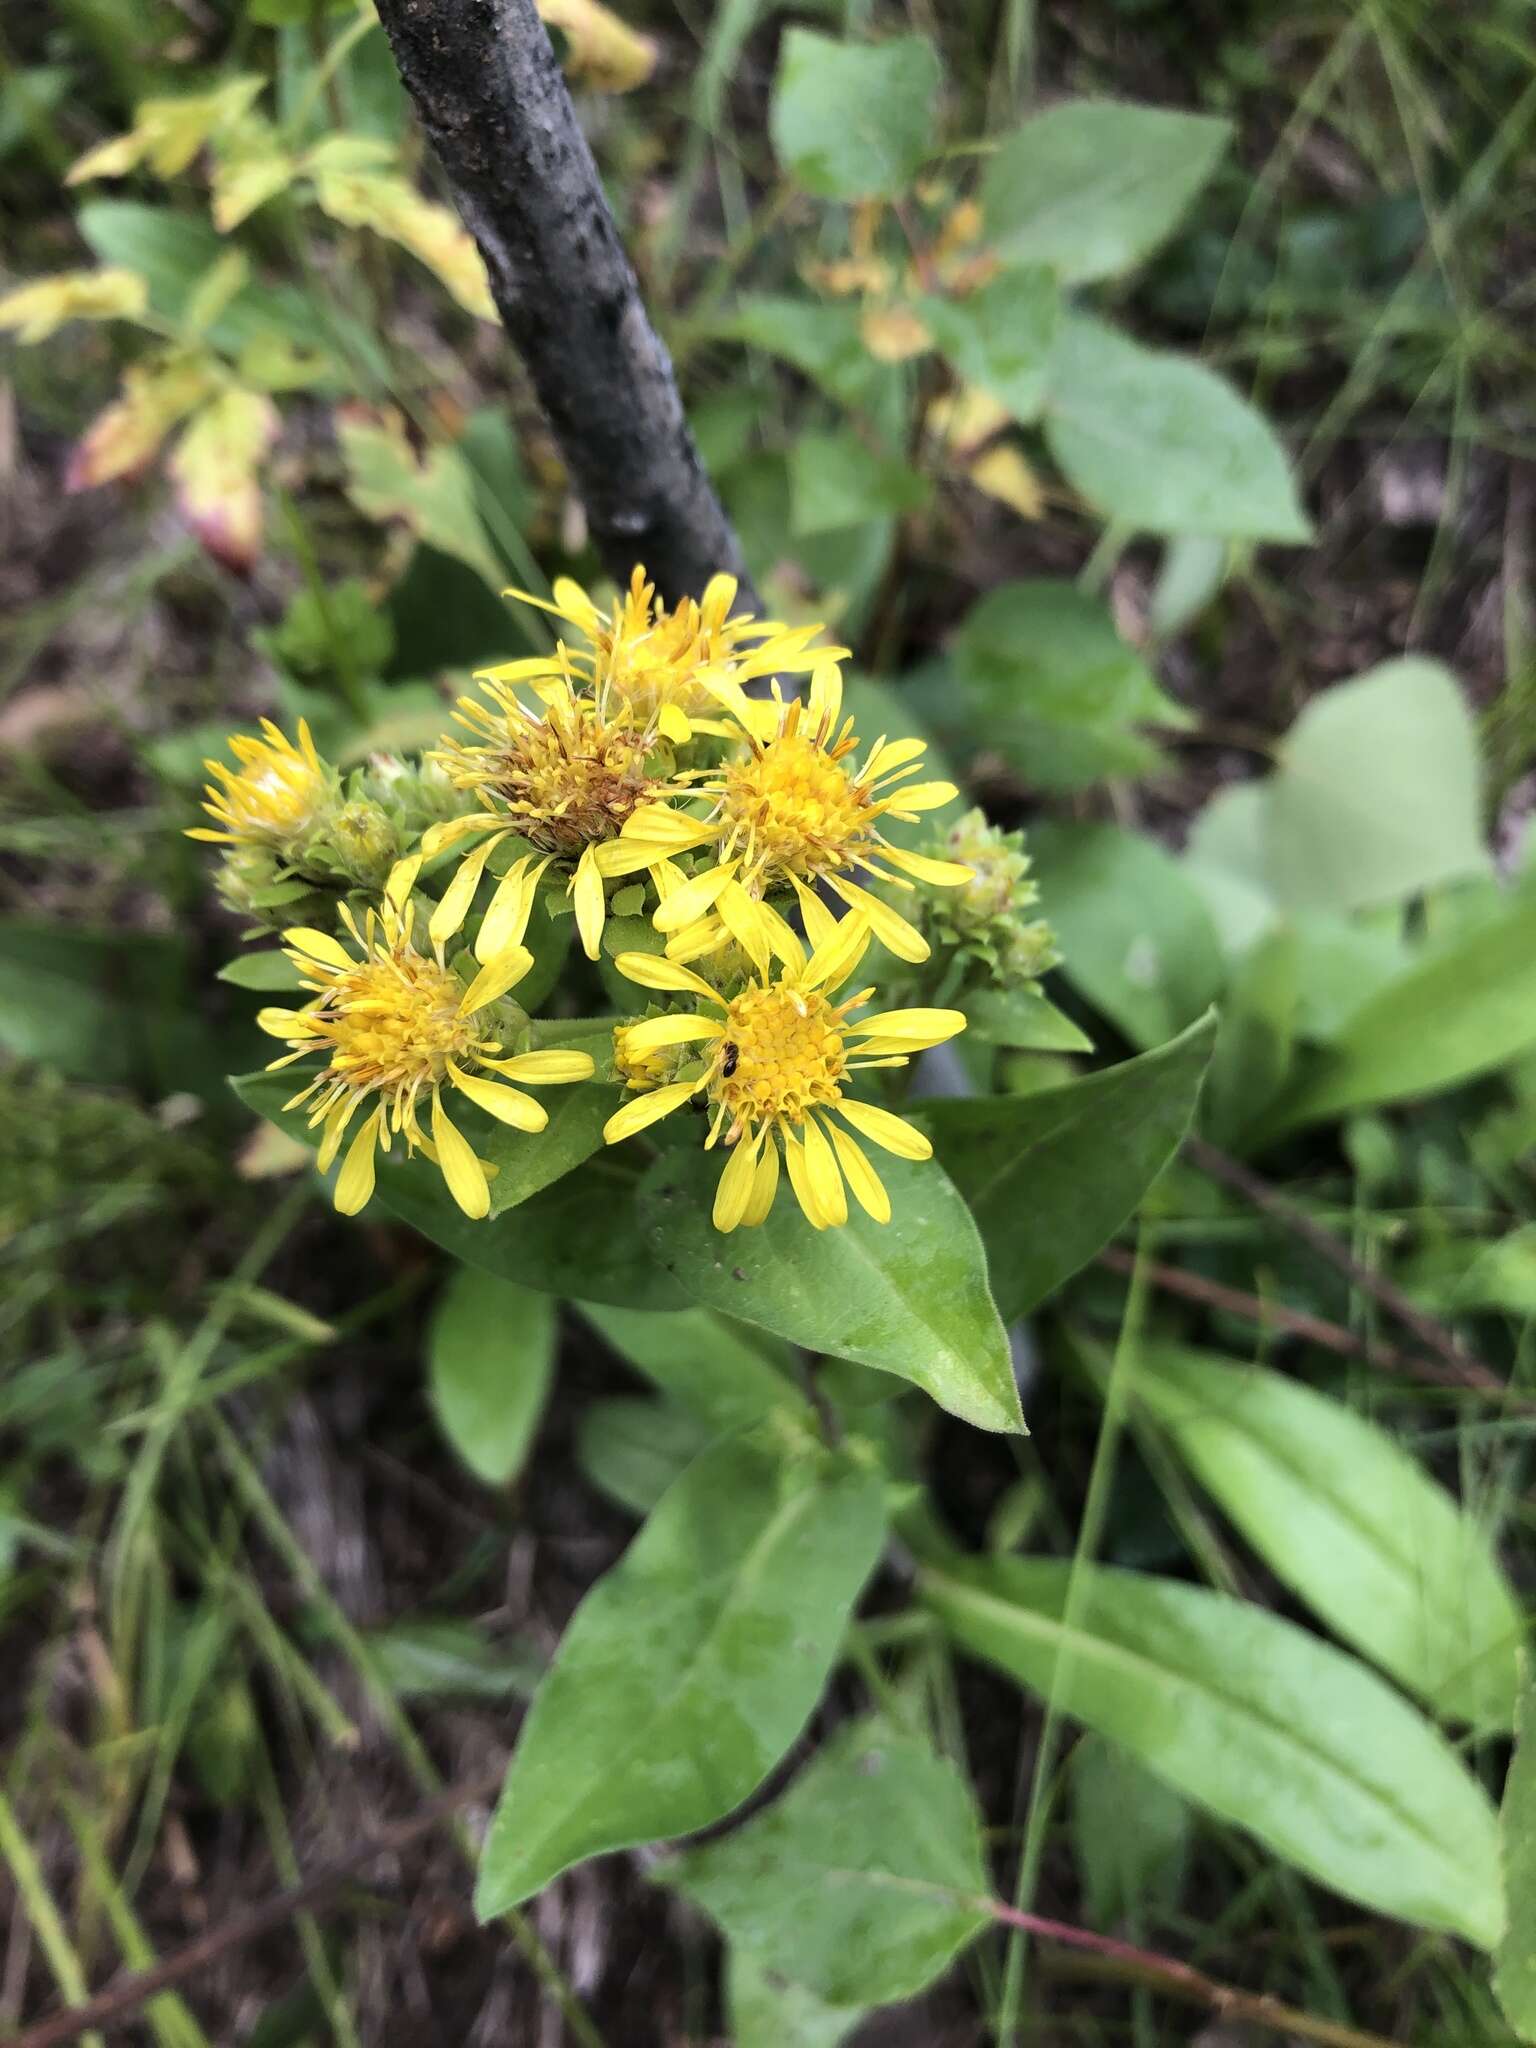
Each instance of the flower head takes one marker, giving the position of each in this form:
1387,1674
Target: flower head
275,794
777,1059
674,668
398,1028
792,811
987,917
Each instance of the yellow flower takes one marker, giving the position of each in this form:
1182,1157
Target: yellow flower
778,1055
791,812
273,797
565,779
673,668
399,1026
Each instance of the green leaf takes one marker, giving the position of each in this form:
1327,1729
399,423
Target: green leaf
1251,1717
1378,794
837,480
1093,186
1023,1020
853,120
727,1373
1000,336
1130,1833
909,1296
633,1447
268,972
1225,860
861,1882
687,1672
769,2011
1349,1522
1515,1975
435,1658
1163,445
1257,1038
889,708
1051,1177
1049,684
436,497
1457,1013
1136,935
822,341
490,1356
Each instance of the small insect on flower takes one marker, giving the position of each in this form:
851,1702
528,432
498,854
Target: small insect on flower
791,811
778,1058
399,1028
275,794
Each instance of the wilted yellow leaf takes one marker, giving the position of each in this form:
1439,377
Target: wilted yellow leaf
122,439
894,333
396,210
214,467
849,274
36,310
602,51
967,417
167,133
1003,474
254,169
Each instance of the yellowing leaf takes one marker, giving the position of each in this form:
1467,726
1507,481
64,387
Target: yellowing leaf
214,468
435,496
893,334
967,418
36,310
396,210
1003,474
168,133
602,52
247,176
122,439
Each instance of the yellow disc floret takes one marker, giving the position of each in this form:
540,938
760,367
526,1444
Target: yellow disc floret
783,1052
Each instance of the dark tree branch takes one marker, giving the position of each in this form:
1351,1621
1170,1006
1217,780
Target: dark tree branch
491,97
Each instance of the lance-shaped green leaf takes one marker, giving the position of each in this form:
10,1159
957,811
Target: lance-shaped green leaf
490,1354
1350,1522
725,1372
769,2011
689,1670
909,1296
1051,1177
1252,1717
1515,1977
862,1882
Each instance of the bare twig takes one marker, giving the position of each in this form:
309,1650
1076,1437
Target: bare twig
491,97
1296,1322
1431,1333
121,2002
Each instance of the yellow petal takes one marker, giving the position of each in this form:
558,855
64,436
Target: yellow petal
547,1069
782,938
437,837
925,796
887,755
838,954
868,1188
659,825
402,876
318,946
335,1127
653,970
495,978
940,874
506,915
922,1027
826,693
283,1023
354,1184
744,920
734,1190
674,725
646,1109
819,921
825,1178
765,1185
450,914
459,1166
507,1105
653,1032
688,904
889,926
800,1180
893,1132
591,904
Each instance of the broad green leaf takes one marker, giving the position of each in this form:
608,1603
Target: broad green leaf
726,1372
1515,1975
688,1671
435,1658
1255,1044
876,707
1378,794
1000,336
1192,571
1093,186
1051,1177
821,341
1023,1020
837,480
1340,963
1458,1013
861,1882
1137,939
1048,683
769,2011
1163,445
1130,1833
268,971
1350,1522
909,1296
634,1447
1251,1717
853,120
435,496
1225,859
490,1355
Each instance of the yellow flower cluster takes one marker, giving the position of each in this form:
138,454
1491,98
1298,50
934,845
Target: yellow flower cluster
635,761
